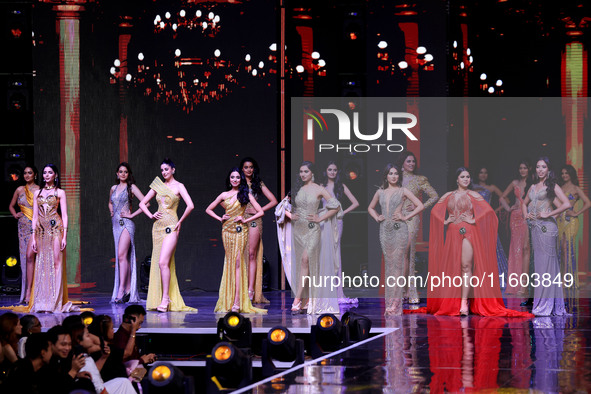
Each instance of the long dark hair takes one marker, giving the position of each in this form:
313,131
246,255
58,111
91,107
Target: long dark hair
402,158
130,181
385,173
255,182
572,173
8,323
459,171
242,188
550,181
487,182
298,183
56,182
339,188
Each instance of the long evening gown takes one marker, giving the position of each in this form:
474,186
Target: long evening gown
321,254
120,204
168,203
258,297
284,236
25,229
50,289
568,227
548,297
327,233
393,239
416,184
235,238
445,254
519,237
501,258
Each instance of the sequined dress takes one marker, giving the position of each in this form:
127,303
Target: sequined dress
501,258
235,238
519,238
568,227
50,290
258,298
168,203
548,296
321,254
393,239
416,184
25,229
120,204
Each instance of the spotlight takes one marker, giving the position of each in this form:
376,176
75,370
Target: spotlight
358,326
87,318
236,329
281,345
228,368
327,335
11,276
166,378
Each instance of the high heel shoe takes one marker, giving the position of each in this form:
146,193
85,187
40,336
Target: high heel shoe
125,298
250,294
235,308
296,307
464,309
164,305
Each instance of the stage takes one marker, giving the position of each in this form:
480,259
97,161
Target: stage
403,354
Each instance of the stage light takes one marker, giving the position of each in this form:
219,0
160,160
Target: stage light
261,64
321,63
128,77
491,90
166,378
217,53
471,59
281,345
236,329
140,56
382,45
198,13
228,368
195,81
210,15
273,47
162,25
177,52
421,50
327,335
468,52
11,261
117,63
204,25
87,318
174,26
455,44
254,73
182,13
483,77
499,82
403,65
11,276
358,326
167,15
462,65
429,57
216,19
300,68
158,18
315,55
247,57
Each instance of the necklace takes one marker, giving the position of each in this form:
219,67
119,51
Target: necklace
49,187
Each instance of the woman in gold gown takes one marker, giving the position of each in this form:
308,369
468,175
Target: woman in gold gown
163,290
23,196
234,294
256,187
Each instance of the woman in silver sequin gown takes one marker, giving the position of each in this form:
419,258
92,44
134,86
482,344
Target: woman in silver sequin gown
537,209
393,232
314,259
125,289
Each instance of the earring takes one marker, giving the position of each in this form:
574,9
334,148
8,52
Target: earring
312,178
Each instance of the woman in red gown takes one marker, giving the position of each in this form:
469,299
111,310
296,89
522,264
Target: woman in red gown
463,264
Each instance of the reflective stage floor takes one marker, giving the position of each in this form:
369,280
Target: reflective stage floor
410,353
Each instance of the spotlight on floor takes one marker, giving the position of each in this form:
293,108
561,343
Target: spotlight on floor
281,345
327,335
228,368
11,276
236,329
166,378
358,325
